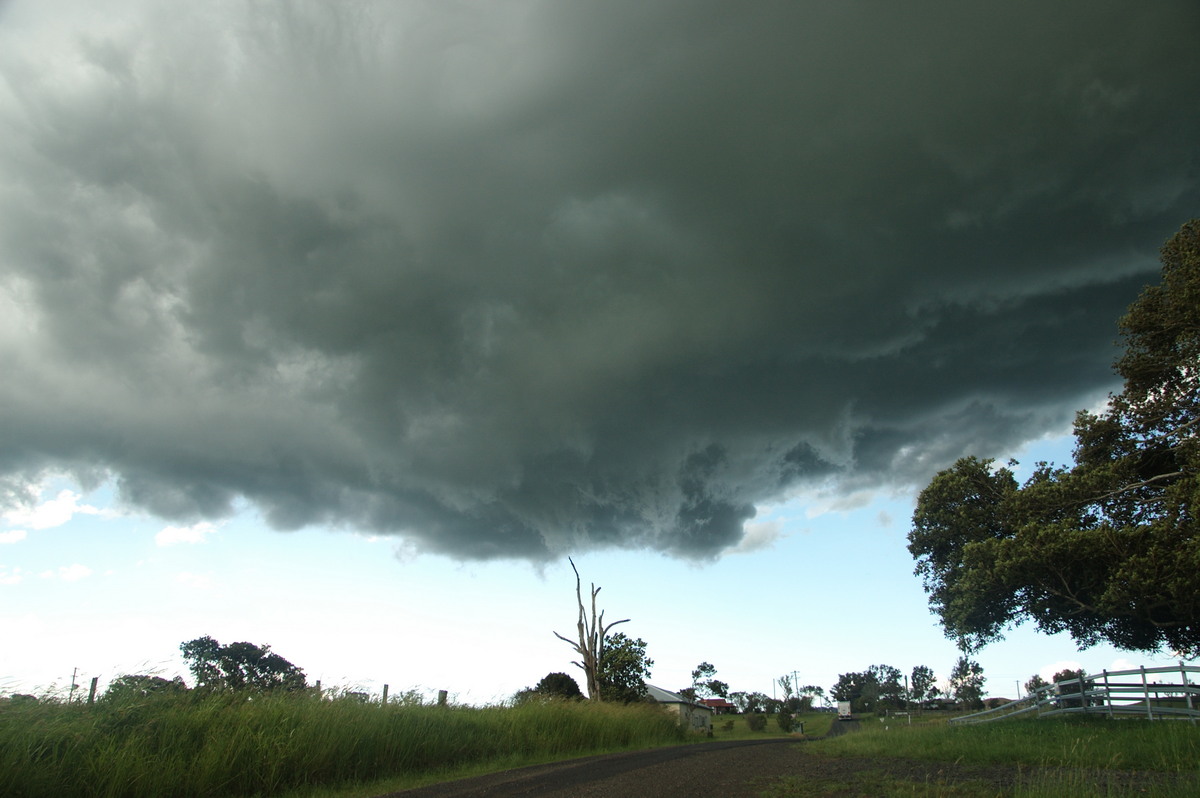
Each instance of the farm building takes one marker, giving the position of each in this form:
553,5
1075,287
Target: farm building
719,706
691,715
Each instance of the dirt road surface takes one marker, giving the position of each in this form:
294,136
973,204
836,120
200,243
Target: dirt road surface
730,769
776,768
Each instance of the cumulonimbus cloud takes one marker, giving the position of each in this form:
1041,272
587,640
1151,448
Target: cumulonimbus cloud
517,279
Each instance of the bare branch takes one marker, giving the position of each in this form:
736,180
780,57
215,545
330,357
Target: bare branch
592,632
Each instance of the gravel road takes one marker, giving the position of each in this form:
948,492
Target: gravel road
728,769
744,769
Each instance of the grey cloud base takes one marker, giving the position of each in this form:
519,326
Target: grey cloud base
512,280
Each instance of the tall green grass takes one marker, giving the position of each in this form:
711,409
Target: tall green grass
218,745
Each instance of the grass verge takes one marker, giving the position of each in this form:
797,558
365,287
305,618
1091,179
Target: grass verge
229,746
1033,758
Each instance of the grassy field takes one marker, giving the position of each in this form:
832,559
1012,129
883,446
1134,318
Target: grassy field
186,745
737,727
305,747
1075,758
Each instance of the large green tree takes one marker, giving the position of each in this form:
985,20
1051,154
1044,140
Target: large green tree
624,669
1106,549
239,667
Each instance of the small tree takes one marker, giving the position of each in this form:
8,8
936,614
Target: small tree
592,633
559,685
239,666
809,693
966,681
922,681
553,686
876,688
139,686
1070,684
624,669
1035,684
705,684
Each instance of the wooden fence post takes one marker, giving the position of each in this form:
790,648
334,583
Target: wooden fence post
92,691
1187,686
442,694
384,701
1107,695
1146,694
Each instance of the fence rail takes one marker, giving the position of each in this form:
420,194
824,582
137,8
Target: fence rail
1109,693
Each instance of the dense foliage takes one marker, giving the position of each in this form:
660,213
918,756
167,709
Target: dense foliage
624,669
878,687
553,686
966,683
239,666
1106,549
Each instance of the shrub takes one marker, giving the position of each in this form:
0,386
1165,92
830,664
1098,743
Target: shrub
784,719
756,722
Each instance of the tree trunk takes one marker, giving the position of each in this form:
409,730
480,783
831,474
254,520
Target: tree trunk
592,632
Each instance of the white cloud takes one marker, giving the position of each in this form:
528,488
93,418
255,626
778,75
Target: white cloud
54,512
192,580
68,573
1047,671
758,536
196,533
12,577
13,536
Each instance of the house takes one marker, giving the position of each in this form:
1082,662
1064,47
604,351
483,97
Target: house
690,715
719,706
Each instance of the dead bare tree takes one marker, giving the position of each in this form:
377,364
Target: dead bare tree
592,632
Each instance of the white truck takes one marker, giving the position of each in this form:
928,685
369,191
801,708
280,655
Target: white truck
844,711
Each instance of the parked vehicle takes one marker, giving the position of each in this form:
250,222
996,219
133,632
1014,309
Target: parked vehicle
844,711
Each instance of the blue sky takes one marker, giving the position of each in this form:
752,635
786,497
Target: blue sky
830,591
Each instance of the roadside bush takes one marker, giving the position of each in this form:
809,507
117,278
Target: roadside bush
756,722
785,721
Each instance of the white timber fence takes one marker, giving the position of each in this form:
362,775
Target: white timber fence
1153,693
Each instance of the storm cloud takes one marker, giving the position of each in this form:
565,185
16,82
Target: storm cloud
517,279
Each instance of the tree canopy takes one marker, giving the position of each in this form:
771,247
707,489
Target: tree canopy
1105,549
705,684
624,669
239,666
140,686
554,686
878,687
923,685
966,682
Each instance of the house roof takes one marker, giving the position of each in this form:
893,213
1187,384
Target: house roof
667,697
716,703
